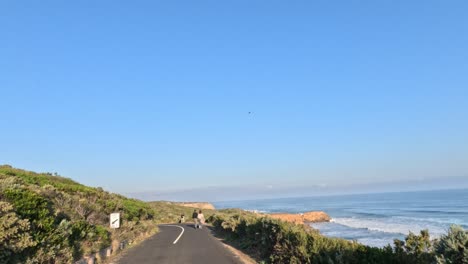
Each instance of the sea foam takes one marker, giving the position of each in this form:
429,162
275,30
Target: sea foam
393,225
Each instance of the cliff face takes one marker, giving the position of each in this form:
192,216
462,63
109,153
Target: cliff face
308,217
200,205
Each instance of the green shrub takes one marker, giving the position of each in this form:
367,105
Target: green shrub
135,210
29,205
14,234
453,247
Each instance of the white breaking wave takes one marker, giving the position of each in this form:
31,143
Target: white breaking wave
443,221
391,225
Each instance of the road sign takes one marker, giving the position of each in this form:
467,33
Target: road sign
115,220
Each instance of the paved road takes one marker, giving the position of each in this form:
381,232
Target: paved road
180,244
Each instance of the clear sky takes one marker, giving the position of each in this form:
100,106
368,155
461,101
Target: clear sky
155,96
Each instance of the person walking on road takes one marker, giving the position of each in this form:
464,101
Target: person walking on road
201,219
195,218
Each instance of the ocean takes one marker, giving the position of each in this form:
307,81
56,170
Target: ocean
374,219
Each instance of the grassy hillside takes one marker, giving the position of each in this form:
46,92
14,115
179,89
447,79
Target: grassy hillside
52,219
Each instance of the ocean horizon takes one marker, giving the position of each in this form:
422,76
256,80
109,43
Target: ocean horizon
374,219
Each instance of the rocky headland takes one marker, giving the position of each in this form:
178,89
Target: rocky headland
198,205
303,218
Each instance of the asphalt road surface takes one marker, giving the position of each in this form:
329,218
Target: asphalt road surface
180,244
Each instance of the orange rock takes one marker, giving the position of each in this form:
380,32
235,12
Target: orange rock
314,217
199,205
307,217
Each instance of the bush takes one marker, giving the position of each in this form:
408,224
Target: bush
135,210
453,247
29,205
14,236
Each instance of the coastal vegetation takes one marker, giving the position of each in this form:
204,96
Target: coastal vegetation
275,241
46,218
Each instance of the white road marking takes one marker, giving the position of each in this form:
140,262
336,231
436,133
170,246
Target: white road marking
181,233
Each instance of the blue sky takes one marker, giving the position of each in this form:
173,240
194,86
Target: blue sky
154,96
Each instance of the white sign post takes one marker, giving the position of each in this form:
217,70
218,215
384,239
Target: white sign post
115,220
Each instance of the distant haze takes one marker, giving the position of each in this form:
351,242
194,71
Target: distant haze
233,193
223,100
